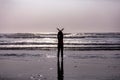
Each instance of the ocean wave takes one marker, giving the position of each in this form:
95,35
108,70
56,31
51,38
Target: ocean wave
38,43
75,56
65,48
72,41
66,35
21,55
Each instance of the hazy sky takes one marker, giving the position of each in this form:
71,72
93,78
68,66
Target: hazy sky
46,15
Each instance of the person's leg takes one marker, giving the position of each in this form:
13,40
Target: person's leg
58,52
62,52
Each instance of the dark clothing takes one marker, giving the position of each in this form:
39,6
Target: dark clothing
60,43
60,39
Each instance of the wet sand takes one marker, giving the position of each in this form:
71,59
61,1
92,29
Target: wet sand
42,65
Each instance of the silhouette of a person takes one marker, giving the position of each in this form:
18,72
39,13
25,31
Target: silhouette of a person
60,42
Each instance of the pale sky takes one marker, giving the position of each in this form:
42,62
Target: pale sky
46,15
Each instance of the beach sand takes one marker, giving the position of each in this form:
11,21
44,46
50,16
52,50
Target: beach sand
42,65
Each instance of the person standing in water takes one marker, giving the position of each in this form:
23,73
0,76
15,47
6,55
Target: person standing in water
60,42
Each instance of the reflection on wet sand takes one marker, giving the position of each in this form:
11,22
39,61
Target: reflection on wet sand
60,69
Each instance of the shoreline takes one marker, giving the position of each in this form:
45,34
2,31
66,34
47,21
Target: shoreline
65,48
42,65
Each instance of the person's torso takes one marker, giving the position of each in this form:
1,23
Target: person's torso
60,37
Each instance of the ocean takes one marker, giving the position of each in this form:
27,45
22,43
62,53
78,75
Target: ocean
33,56
48,41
